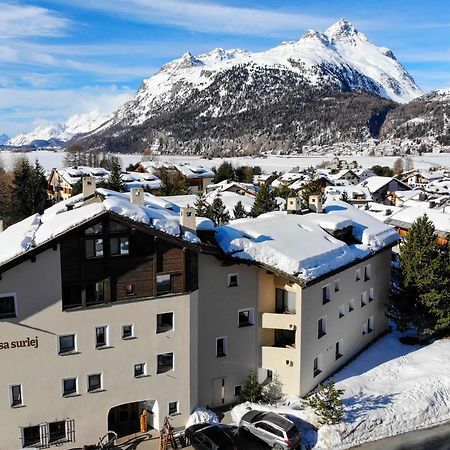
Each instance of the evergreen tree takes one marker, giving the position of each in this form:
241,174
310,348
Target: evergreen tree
75,156
264,201
252,390
6,184
115,182
420,297
217,211
173,183
344,197
201,205
311,187
224,172
239,211
29,190
327,403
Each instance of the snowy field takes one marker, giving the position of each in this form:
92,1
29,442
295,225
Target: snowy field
390,389
49,159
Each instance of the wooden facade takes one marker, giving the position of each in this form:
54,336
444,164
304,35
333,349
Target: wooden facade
110,261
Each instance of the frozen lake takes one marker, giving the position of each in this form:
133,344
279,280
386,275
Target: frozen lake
49,159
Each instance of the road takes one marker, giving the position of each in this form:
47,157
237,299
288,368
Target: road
437,438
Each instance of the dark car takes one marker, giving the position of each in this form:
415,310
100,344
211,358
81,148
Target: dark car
275,430
205,436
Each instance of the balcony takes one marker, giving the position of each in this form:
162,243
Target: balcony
279,321
276,356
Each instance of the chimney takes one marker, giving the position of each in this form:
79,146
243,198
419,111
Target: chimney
294,205
137,196
1,225
89,186
315,203
187,219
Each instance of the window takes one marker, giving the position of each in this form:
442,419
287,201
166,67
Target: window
57,431
341,311
95,292
66,343
284,338
370,322
339,352
139,370
94,248
285,301
16,395
237,390
163,284
164,322
364,329
116,227
7,306
364,300
317,365
94,230
351,305
358,274
221,347
31,436
119,245
246,317
233,279
101,336
94,382
337,285
371,295
165,362
367,272
173,408
127,331
326,294
69,386
130,289
321,327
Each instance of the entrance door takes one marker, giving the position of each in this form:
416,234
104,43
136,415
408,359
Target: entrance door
124,419
218,396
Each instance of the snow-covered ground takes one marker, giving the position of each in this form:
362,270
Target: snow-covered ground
389,389
49,159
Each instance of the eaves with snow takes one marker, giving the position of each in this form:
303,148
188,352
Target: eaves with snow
305,246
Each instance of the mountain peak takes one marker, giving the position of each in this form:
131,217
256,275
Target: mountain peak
342,28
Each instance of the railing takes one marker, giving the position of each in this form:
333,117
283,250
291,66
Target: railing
279,321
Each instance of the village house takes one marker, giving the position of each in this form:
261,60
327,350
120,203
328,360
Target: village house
114,304
380,187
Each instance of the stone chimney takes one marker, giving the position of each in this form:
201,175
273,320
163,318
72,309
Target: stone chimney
187,219
137,196
315,203
294,205
89,186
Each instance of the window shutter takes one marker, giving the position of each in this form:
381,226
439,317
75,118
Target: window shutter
45,436
70,430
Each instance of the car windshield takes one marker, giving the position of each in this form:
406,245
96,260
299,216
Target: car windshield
293,433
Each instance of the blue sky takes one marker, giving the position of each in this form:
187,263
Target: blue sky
61,57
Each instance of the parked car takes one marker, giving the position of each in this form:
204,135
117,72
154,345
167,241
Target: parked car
275,430
205,436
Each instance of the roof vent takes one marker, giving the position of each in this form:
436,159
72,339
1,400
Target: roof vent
294,205
187,219
89,186
315,203
137,196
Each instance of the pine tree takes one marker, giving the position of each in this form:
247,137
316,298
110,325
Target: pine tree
239,211
29,190
252,390
420,296
327,403
311,187
201,205
217,211
264,202
344,197
115,182
224,172
173,183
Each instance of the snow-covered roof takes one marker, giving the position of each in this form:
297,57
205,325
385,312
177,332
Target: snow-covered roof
195,171
63,216
298,245
375,183
353,192
408,215
73,175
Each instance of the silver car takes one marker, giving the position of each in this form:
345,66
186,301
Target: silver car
275,430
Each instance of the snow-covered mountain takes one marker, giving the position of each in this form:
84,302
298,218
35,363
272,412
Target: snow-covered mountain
4,138
279,93
426,117
60,133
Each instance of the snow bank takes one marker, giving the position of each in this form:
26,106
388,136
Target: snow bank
201,415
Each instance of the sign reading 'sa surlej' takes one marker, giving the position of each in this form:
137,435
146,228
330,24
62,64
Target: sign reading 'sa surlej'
23,343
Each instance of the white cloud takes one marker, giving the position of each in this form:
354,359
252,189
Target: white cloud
209,17
21,109
27,20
